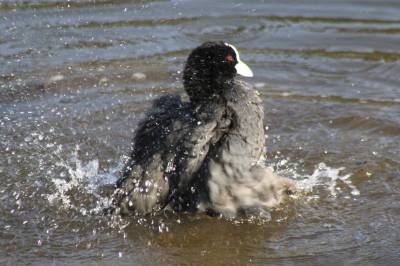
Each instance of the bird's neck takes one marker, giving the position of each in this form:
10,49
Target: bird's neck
205,92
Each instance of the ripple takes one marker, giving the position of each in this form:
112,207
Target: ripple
339,99
366,30
136,23
334,20
23,5
69,79
367,56
376,125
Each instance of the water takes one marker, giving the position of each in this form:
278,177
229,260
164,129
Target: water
76,76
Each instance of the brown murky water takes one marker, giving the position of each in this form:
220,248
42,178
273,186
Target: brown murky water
76,76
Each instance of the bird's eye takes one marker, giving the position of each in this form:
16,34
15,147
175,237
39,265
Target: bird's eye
229,58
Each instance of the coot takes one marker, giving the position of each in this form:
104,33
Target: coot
202,154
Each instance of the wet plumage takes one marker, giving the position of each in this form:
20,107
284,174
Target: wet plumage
202,154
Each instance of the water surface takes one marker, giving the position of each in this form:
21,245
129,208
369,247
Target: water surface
77,76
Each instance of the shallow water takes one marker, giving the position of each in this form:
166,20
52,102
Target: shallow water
76,76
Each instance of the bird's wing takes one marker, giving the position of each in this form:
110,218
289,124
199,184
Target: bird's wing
193,150
144,185
170,145
194,153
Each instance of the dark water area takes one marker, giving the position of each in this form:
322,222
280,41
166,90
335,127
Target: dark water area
77,76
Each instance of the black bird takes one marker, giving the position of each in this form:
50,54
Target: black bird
202,154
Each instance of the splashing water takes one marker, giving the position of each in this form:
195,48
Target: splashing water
85,178
329,177
79,185
323,176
